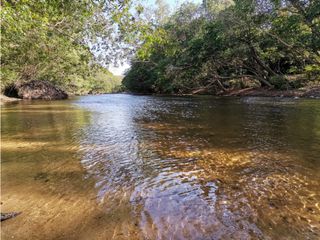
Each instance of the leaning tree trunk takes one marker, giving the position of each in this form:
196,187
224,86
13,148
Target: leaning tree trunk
264,67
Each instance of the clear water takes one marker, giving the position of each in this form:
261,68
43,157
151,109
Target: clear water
145,167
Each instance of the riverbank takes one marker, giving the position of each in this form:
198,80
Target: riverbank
307,92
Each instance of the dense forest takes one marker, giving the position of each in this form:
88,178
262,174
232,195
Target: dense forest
224,44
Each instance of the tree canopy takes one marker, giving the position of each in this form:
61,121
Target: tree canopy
220,43
65,42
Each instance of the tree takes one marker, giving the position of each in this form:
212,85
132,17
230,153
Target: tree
59,41
210,45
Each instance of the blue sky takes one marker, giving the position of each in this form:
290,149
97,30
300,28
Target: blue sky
173,4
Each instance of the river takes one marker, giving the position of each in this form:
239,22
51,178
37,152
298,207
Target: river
120,166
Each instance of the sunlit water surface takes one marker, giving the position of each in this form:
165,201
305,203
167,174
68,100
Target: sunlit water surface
144,167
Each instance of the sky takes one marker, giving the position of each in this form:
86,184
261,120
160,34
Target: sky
172,3
120,70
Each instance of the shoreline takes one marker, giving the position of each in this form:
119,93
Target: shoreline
310,92
307,92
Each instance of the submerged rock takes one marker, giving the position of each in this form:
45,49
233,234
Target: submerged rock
35,90
6,216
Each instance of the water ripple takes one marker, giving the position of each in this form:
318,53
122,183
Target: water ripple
206,168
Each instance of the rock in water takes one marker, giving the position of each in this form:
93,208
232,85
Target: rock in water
35,90
6,216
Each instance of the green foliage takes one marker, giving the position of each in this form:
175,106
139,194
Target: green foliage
99,80
204,46
54,40
104,82
279,82
144,76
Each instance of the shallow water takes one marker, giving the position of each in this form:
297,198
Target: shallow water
144,167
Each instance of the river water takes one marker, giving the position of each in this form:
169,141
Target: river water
144,167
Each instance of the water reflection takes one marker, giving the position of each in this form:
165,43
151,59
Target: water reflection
41,175
206,168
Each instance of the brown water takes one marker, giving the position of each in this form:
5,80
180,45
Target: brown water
135,167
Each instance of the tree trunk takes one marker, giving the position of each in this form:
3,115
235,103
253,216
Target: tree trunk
260,62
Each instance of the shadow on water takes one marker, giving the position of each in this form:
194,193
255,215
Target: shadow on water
144,167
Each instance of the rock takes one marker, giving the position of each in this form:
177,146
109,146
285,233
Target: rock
35,90
5,99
